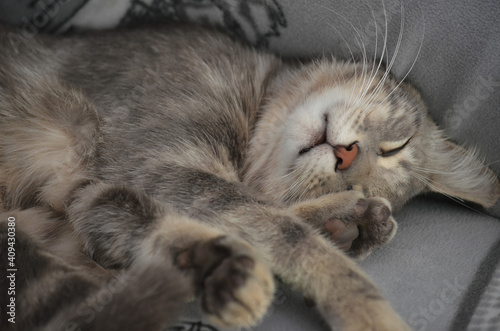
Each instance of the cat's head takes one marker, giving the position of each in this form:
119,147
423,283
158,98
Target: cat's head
332,127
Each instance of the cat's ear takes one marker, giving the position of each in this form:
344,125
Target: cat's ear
459,172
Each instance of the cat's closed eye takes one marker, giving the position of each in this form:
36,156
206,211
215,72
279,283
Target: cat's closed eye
392,148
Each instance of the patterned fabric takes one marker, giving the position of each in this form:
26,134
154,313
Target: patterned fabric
192,326
35,16
487,315
233,16
256,21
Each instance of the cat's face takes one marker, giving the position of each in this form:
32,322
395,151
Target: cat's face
334,127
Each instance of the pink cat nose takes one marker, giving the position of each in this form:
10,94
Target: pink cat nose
345,155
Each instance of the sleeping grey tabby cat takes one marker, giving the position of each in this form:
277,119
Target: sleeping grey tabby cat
155,166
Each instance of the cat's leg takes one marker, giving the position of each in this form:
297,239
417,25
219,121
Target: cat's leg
296,251
304,258
47,291
49,133
356,224
123,228
344,295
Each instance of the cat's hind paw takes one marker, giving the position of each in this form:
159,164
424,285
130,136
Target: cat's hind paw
236,287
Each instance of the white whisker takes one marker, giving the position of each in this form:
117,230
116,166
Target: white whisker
379,85
388,69
359,40
374,71
466,171
292,190
412,65
441,191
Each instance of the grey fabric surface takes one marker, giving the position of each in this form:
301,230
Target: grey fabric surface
437,270
427,270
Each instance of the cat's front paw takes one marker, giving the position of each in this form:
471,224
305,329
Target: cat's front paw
356,224
376,227
235,287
